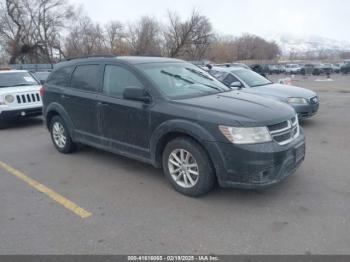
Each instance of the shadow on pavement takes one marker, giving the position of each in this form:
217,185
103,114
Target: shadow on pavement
21,123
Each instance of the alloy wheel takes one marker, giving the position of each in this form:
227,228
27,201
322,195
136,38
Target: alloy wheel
183,168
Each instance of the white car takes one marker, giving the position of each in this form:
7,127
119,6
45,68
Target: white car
293,69
19,95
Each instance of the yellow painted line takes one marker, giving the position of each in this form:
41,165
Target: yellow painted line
47,191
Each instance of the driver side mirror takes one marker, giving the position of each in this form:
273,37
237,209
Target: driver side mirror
236,85
136,94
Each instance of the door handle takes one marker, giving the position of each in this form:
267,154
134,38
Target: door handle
65,97
102,104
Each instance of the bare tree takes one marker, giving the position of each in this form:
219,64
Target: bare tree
223,49
187,39
116,38
250,47
31,29
85,38
144,37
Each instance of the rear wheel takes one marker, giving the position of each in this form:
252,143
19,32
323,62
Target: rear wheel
60,136
188,167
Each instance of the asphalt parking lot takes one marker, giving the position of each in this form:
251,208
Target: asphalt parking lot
132,209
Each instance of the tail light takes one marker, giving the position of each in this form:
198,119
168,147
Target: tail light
42,91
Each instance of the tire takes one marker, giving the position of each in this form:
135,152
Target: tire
203,176
58,129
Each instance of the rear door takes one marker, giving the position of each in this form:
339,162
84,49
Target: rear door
124,123
80,100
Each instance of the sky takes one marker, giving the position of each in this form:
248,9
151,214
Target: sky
326,18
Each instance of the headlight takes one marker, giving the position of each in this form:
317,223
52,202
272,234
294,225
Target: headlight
242,135
297,101
9,99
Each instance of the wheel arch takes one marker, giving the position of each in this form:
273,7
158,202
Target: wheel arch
173,129
55,109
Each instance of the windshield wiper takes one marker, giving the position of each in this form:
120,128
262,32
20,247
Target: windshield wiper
262,84
213,87
177,77
188,81
199,73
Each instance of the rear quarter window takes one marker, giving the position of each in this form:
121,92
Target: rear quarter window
86,77
61,76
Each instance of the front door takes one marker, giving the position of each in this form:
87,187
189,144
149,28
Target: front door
124,123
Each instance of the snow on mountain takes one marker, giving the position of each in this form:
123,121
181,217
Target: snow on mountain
302,44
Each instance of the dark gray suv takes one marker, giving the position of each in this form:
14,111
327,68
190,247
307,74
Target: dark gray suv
173,115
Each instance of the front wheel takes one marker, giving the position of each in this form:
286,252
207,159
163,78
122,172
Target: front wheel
188,167
60,136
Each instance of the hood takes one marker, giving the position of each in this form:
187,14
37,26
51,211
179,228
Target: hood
246,109
19,89
281,91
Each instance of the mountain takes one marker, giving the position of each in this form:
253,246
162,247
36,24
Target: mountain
302,44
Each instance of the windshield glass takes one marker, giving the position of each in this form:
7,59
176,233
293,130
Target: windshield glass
251,78
181,80
16,79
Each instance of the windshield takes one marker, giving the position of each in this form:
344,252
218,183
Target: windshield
251,78
181,80
16,79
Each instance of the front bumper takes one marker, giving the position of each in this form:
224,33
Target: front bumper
256,166
20,113
306,111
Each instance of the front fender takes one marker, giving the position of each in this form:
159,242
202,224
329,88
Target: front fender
185,127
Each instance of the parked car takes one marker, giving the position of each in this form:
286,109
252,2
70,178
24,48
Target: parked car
42,76
345,69
260,69
335,68
323,69
281,69
171,114
293,69
233,65
272,69
19,95
304,101
317,69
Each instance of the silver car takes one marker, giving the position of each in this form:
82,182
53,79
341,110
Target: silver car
305,102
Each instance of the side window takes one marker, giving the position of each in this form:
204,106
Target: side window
217,74
86,77
60,77
229,79
116,79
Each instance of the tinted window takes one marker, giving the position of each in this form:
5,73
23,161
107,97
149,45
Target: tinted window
218,74
116,79
60,77
251,78
86,77
17,79
229,79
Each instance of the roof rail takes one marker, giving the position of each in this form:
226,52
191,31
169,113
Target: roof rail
90,56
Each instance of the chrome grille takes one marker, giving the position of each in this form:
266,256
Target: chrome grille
28,98
285,132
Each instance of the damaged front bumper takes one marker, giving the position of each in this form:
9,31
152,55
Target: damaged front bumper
258,165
